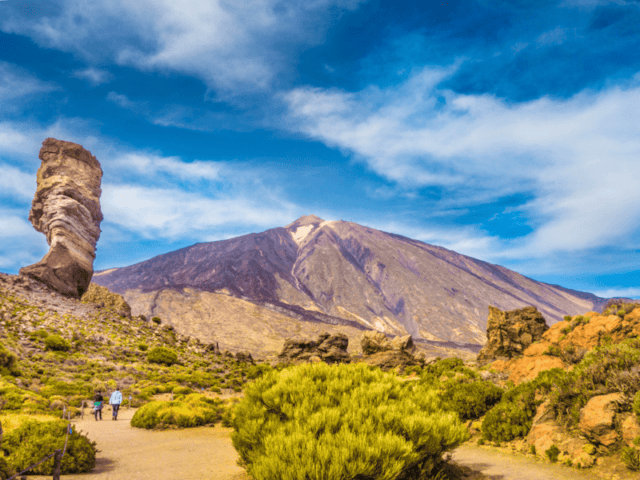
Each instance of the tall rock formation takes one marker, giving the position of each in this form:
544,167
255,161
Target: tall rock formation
510,333
66,208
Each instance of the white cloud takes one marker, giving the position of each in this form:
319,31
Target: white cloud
578,156
230,45
630,292
94,75
123,101
173,213
150,164
20,243
16,83
14,182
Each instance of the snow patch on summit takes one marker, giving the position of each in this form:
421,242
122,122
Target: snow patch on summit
300,233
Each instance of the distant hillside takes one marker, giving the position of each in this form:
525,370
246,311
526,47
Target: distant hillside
338,273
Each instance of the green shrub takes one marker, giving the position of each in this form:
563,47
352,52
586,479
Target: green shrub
56,343
34,440
606,369
636,404
8,362
513,416
318,421
567,318
162,355
257,371
552,453
16,399
143,347
182,391
631,458
621,313
192,411
471,400
156,320
5,470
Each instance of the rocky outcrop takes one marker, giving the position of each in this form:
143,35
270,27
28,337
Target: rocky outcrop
597,419
391,359
565,343
510,333
106,299
66,208
381,352
328,348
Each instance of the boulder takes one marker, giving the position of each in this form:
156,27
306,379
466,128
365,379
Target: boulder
510,333
630,429
404,344
597,419
390,359
327,348
66,208
373,342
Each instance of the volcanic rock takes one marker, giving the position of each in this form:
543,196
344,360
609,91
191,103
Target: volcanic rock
510,333
66,208
328,348
381,352
373,342
390,359
597,418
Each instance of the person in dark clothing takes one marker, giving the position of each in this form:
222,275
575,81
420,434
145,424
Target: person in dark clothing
98,401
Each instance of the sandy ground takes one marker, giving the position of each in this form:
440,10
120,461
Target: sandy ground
492,464
127,453
206,453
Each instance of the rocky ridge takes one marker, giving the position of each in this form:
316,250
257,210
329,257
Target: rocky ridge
66,208
606,426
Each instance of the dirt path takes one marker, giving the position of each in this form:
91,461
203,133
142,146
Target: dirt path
206,453
496,465
127,453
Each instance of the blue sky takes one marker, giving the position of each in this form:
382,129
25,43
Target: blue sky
505,130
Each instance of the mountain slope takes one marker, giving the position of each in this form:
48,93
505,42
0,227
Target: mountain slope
347,274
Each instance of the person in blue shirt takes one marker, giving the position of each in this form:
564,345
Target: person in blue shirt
115,401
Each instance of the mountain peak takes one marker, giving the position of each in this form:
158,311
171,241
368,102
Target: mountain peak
305,220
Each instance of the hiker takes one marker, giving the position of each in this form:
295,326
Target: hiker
97,404
115,401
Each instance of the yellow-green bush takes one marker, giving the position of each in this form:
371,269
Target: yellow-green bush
513,416
162,355
56,343
191,411
33,440
15,399
5,470
319,421
8,362
472,399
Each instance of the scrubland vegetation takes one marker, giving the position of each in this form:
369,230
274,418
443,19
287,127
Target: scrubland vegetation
312,421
